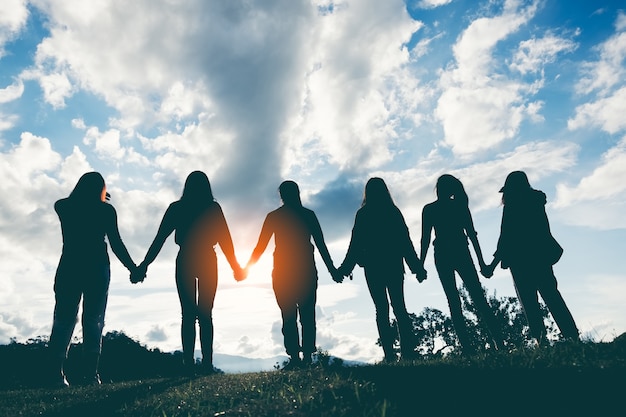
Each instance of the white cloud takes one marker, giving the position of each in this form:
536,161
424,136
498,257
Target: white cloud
478,107
534,53
13,15
606,182
608,71
606,113
11,92
431,4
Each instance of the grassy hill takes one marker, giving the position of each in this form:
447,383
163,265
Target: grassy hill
563,379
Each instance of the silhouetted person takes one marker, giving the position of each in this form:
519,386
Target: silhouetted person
526,247
381,243
294,275
84,272
449,216
199,224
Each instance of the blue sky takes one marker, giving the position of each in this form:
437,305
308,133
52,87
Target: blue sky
327,93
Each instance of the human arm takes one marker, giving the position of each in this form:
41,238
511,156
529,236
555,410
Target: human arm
267,231
473,237
415,263
226,244
355,248
115,240
427,227
318,238
165,229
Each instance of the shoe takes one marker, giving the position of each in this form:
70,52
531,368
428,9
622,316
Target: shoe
307,361
293,363
60,382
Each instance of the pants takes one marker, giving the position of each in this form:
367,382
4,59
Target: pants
296,295
196,282
461,262
532,280
71,283
385,288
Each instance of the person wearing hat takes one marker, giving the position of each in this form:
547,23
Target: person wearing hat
527,248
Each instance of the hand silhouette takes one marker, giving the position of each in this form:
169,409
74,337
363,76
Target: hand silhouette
487,270
240,273
421,275
337,276
138,274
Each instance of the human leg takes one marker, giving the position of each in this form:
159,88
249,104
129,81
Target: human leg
289,314
67,294
306,307
468,274
94,307
524,280
551,295
378,292
186,285
207,286
447,277
395,287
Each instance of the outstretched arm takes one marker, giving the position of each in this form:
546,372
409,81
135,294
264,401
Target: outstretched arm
165,229
318,238
118,247
264,237
473,237
226,244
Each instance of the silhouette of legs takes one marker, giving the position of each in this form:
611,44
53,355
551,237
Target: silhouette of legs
448,282
530,281
197,296
383,290
72,283
468,274
293,300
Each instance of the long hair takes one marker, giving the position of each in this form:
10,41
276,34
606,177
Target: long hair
290,193
516,187
376,193
450,187
88,189
197,190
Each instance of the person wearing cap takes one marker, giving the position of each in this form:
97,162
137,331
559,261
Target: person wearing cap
527,248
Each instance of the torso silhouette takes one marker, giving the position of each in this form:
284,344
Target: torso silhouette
451,222
293,228
83,227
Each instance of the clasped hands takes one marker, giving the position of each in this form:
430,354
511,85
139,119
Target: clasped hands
138,274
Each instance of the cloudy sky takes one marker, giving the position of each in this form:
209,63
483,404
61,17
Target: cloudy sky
327,93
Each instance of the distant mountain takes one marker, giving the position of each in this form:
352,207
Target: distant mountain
233,364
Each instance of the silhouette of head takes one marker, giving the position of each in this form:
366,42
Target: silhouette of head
290,193
197,188
516,183
376,193
450,187
89,188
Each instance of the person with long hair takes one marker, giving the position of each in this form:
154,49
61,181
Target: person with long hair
381,243
84,272
450,218
527,248
294,274
199,224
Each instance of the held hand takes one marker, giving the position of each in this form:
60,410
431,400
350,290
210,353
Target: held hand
138,274
421,275
336,275
240,273
487,270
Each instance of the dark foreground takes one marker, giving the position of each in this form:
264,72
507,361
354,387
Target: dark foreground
586,379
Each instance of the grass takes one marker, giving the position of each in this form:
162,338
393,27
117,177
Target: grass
564,379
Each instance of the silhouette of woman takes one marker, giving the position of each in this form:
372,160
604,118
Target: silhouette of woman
199,224
451,220
294,275
526,247
381,243
84,271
